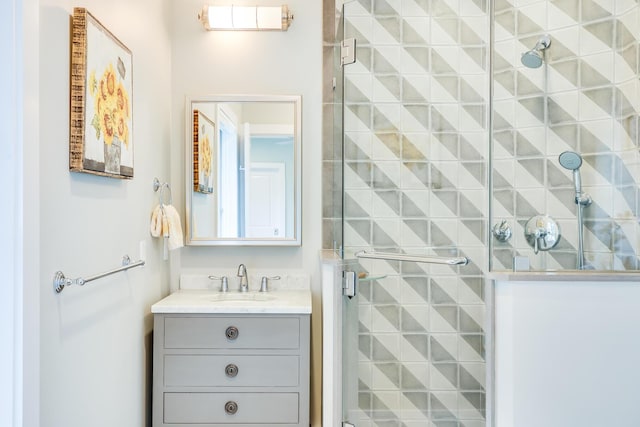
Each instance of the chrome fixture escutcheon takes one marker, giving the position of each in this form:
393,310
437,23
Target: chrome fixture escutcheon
542,233
502,231
224,282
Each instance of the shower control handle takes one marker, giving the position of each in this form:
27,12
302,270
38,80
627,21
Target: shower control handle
542,233
502,232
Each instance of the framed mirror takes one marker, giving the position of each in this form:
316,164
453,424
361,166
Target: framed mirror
243,170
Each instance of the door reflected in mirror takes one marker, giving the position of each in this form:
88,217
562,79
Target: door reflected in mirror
243,170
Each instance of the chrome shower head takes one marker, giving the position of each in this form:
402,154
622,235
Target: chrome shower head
533,58
570,160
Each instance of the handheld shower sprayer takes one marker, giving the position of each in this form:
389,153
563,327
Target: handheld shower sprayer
572,161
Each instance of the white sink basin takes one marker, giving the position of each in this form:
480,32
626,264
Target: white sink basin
243,297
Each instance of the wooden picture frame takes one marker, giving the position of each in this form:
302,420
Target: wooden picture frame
204,153
101,125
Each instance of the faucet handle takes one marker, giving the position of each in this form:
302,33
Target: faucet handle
264,283
224,282
242,270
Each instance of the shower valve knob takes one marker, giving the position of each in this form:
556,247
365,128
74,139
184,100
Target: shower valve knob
542,233
502,232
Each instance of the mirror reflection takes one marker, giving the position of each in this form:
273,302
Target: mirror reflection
243,170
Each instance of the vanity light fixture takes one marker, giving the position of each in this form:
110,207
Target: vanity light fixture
274,18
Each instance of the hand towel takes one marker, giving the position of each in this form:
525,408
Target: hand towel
174,227
165,222
156,221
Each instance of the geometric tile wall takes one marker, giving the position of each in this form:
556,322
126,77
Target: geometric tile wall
586,99
415,170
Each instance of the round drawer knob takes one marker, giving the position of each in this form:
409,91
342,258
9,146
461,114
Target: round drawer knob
231,407
231,370
232,332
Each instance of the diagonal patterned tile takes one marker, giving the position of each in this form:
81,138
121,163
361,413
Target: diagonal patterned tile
352,208
419,400
386,146
419,342
416,231
383,405
443,291
358,117
444,406
471,347
381,352
414,376
414,319
420,286
359,231
381,64
415,31
412,94
471,405
419,56
380,295
387,375
365,345
468,382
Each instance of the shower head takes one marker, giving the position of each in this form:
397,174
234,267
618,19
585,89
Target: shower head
572,161
533,58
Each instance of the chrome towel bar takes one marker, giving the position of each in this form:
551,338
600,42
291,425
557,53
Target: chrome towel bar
415,258
60,281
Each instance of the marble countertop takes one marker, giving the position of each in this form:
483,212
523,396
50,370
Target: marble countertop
198,301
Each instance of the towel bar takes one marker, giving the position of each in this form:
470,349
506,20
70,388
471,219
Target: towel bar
414,258
60,281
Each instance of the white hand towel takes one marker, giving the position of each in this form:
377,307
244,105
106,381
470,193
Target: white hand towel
174,227
156,222
165,222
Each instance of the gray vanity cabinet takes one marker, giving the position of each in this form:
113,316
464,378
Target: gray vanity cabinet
231,370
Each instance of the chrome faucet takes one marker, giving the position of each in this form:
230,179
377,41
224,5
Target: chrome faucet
244,278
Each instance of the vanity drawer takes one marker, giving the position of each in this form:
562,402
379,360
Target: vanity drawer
232,332
209,408
230,370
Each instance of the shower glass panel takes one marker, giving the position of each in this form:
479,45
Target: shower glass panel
583,98
415,152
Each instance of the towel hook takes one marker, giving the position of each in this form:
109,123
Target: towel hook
160,188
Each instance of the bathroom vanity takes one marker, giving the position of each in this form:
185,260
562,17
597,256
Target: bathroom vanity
233,358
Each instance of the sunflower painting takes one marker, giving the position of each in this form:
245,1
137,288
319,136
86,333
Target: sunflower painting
204,153
101,92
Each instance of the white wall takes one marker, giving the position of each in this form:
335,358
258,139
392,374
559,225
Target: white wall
566,353
96,340
288,63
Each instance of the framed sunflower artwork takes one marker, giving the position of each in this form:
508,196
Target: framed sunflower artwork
203,153
101,126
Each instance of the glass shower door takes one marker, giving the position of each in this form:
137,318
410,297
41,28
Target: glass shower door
415,150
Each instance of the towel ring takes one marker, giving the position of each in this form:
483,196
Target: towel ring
160,189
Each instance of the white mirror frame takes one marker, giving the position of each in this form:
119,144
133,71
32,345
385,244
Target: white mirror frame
296,240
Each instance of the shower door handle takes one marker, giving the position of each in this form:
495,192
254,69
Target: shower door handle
414,258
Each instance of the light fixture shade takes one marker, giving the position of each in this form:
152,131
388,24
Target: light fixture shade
275,18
